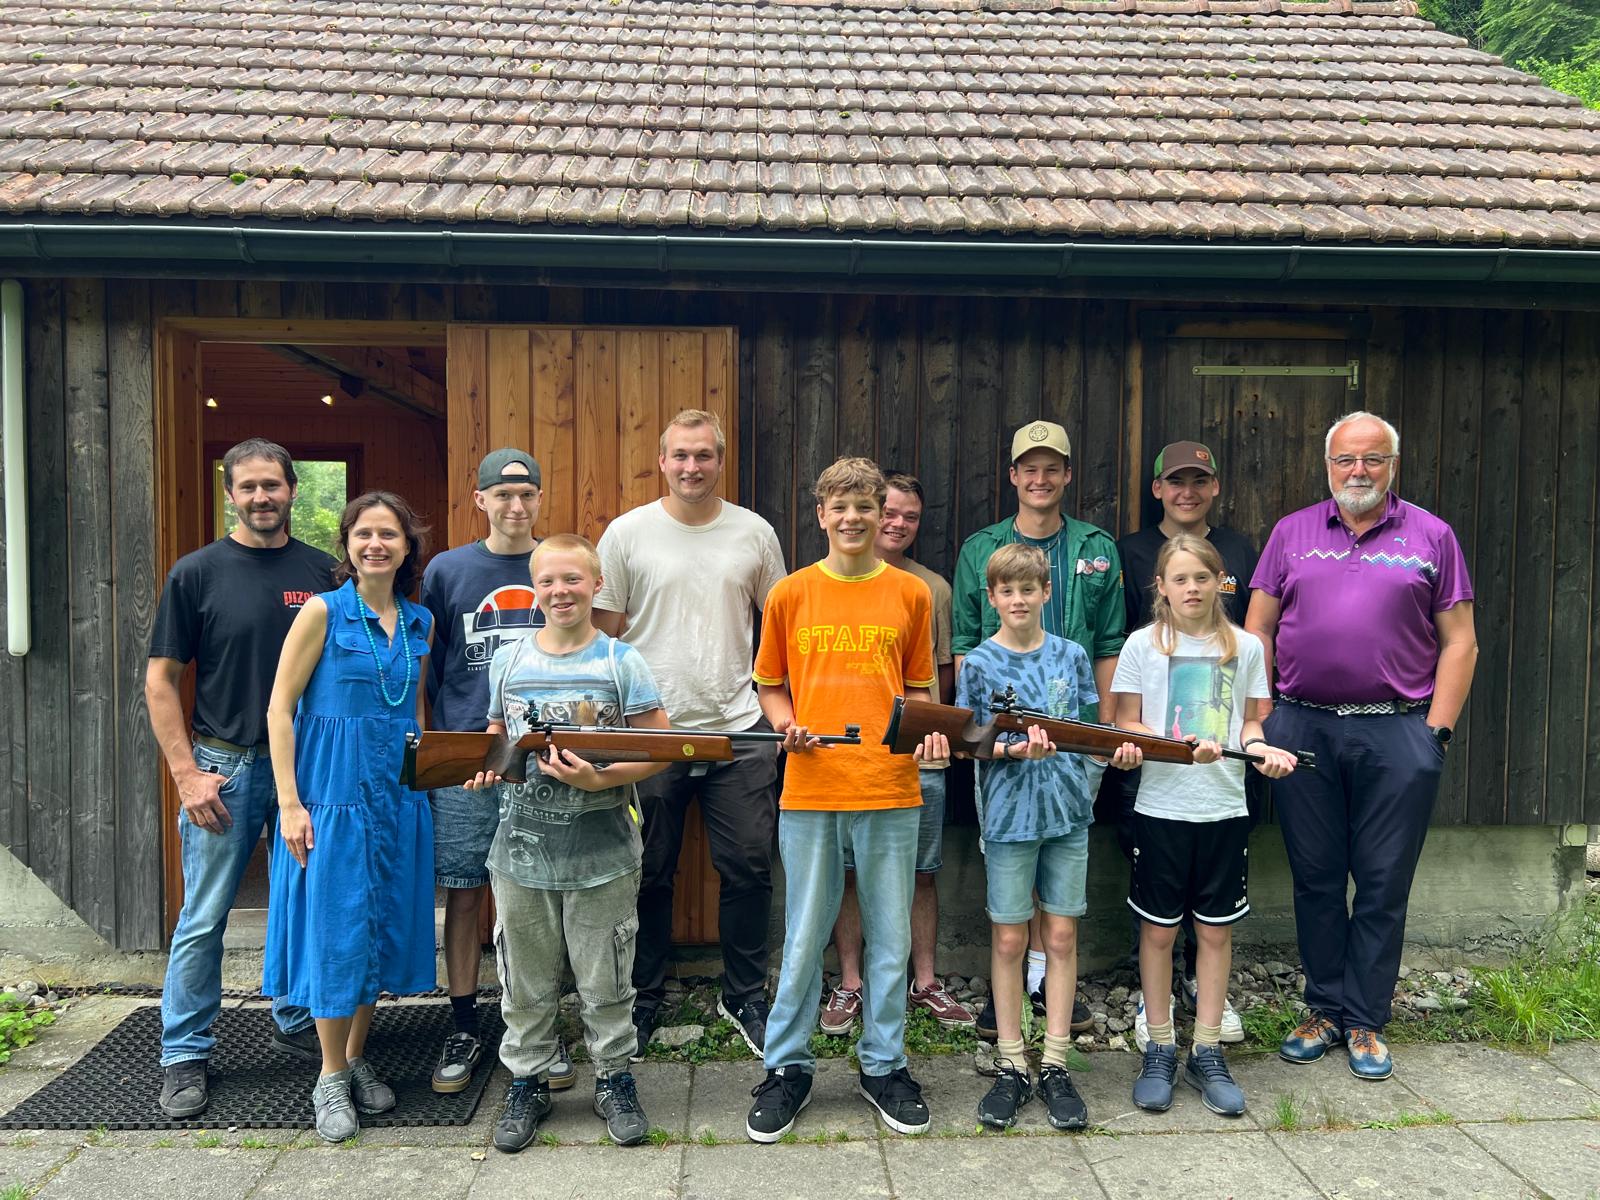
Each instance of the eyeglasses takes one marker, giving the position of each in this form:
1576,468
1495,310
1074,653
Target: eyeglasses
1370,461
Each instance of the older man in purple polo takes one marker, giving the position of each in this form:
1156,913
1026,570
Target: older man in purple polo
1363,601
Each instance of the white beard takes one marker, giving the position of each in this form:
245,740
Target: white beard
1358,501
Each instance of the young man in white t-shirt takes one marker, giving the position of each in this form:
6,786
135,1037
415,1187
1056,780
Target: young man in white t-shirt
684,577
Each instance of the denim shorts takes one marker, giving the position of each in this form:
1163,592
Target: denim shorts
463,829
1057,868
930,827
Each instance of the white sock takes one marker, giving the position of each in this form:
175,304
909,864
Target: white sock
1035,970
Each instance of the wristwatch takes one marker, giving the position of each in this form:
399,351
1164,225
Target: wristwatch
1442,734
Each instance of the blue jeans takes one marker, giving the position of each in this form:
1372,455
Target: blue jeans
813,846
213,865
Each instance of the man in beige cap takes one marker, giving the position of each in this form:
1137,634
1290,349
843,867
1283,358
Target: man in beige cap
1085,604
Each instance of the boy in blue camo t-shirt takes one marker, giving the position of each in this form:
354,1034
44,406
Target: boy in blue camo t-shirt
1035,809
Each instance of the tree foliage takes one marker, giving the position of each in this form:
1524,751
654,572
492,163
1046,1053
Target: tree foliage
1557,40
1524,32
1459,17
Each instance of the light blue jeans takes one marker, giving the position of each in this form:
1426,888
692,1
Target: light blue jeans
813,846
213,865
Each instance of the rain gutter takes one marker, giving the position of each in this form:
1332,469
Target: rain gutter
268,249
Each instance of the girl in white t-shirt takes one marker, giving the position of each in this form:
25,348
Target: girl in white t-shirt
1191,673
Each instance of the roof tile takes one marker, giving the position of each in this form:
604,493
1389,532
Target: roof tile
1202,119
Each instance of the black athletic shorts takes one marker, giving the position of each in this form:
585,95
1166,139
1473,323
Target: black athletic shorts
1198,867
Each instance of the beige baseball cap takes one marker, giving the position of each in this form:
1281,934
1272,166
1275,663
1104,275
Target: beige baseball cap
1040,435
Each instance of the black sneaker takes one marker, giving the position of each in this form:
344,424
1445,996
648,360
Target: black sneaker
456,1063
779,1099
527,1103
644,1026
1062,1104
302,1043
750,1019
988,1026
616,1101
1082,1018
1012,1089
183,1088
898,1099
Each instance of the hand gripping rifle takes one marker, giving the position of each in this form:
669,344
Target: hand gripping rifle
437,758
913,720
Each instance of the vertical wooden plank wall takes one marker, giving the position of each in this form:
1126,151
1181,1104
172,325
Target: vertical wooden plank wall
1498,411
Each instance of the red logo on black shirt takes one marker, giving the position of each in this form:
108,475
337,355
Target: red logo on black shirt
296,599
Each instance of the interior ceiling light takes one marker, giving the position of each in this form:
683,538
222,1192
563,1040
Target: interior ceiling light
327,399
211,401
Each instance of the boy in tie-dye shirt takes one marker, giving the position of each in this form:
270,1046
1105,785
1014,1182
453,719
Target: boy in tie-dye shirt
1035,809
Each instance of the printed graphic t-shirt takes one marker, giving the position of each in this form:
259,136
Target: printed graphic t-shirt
553,835
848,645
479,601
228,607
1030,801
1190,693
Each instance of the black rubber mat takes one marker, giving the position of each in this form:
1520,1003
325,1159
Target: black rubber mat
253,1086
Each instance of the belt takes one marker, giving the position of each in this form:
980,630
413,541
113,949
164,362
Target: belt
1374,708
261,748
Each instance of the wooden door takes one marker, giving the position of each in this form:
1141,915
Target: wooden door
590,402
1222,381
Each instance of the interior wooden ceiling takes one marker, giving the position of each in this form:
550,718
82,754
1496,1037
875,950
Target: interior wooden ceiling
264,380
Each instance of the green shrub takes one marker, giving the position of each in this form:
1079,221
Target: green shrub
19,1025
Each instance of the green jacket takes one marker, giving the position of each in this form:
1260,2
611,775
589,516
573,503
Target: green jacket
1087,601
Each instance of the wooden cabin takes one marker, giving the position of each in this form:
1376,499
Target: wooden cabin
898,228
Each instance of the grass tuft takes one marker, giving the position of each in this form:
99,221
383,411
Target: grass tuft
1287,1114
1411,1120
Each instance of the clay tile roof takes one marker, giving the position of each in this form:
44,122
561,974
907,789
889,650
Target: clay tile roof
1318,120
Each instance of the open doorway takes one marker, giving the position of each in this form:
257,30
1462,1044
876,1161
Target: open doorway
357,408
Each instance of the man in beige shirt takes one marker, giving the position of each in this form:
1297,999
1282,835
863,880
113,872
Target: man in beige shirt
902,519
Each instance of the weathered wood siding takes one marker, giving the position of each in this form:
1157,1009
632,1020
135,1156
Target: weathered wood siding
1498,411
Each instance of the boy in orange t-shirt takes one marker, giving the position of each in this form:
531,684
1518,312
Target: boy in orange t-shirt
841,639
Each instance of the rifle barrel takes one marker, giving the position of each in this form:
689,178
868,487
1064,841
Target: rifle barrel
1303,758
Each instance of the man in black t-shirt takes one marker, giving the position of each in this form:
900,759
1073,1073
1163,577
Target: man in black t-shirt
227,608
1186,484
1185,481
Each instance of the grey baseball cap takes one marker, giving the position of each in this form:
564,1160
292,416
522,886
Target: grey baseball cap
493,468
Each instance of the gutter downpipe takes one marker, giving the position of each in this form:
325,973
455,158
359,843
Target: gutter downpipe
14,433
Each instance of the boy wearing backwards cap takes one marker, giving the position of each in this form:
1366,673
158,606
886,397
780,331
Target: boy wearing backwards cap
480,600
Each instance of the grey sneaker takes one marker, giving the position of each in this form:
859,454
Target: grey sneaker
561,1074
617,1103
527,1103
1207,1072
456,1063
1152,1091
371,1094
336,1115
183,1088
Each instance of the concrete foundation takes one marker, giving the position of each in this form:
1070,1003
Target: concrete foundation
1480,891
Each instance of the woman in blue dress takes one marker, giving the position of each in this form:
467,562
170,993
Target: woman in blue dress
351,905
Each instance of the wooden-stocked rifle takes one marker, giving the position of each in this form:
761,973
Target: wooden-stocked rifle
913,720
438,758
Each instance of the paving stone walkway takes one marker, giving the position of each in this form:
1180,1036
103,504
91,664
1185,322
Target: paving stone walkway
1457,1121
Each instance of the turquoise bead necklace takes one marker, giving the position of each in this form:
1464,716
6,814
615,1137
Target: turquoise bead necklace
400,632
